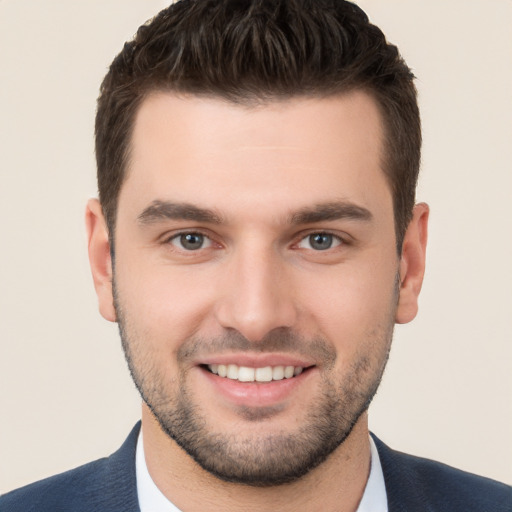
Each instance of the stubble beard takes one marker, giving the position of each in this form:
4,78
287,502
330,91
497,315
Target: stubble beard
269,459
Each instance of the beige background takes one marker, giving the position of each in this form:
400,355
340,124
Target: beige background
65,394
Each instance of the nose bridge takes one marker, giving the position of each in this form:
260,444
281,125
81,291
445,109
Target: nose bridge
255,298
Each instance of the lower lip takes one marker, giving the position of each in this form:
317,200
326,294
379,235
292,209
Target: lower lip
257,394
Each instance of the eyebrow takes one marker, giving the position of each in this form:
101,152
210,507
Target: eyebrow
165,210
331,211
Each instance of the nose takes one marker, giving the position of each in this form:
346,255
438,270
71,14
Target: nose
256,296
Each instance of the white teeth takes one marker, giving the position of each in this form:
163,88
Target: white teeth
246,374
278,373
232,372
264,374
288,372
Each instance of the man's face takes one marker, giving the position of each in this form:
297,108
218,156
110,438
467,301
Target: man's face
258,242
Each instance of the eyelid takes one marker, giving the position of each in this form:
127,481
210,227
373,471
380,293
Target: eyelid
206,242
168,237
343,238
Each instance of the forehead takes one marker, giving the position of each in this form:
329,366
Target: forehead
191,149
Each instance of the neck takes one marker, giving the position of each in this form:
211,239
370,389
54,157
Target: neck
336,485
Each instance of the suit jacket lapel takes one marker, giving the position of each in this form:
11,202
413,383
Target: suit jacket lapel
119,480
404,489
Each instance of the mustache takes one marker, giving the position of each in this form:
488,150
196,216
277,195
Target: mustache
278,340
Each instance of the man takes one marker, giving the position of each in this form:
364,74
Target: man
256,240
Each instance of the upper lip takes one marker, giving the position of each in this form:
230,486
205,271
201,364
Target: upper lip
257,360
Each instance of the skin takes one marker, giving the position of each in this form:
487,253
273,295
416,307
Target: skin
265,175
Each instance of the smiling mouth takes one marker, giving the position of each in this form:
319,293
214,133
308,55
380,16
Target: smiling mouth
248,374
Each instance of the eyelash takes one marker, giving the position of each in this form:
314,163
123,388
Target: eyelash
337,239
177,236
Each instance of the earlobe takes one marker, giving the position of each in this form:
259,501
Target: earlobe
100,258
412,264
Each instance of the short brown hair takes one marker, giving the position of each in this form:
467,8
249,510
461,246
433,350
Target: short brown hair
256,51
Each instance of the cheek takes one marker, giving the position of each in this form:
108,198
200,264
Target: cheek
164,302
350,305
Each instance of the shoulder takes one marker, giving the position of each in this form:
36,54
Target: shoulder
58,492
105,484
438,486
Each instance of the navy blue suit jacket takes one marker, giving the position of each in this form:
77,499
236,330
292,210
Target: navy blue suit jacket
412,484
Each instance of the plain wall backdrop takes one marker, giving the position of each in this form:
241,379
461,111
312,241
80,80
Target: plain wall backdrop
65,394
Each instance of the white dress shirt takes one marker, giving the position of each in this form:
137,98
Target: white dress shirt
151,498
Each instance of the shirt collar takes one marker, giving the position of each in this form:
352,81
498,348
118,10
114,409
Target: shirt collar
374,497
151,499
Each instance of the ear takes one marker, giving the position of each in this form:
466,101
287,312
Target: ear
99,258
412,264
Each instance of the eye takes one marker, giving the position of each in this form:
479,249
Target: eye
320,241
190,241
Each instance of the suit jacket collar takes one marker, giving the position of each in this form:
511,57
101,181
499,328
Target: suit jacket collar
412,484
405,491
120,483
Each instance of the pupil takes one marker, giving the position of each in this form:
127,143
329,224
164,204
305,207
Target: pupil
192,241
320,241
